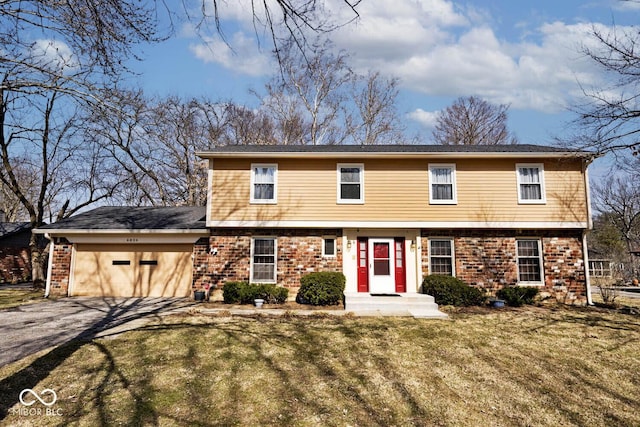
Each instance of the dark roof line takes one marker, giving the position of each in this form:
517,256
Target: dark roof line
127,218
502,148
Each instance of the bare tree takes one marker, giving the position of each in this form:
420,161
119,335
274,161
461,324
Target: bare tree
473,121
310,91
285,21
610,120
617,201
317,99
376,120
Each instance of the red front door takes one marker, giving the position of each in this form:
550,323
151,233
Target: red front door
375,264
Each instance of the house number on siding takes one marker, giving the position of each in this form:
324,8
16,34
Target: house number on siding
131,240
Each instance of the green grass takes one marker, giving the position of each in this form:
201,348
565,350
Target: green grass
532,366
14,297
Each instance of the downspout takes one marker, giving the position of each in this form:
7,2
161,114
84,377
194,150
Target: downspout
47,288
587,279
585,248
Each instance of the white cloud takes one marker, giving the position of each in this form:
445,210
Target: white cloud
241,54
626,5
54,54
438,50
426,118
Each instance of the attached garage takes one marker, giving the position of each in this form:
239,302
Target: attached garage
125,252
132,271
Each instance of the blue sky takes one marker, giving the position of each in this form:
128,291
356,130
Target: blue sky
522,53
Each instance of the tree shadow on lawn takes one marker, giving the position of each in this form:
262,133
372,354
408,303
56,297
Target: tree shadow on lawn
338,369
116,313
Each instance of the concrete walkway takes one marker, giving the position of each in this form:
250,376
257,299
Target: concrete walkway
30,328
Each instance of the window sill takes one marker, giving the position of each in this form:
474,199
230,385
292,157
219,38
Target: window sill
532,202
263,202
443,202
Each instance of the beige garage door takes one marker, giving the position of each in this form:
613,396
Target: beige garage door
132,271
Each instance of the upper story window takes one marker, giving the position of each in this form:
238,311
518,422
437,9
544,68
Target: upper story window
530,178
442,184
350,183
264,180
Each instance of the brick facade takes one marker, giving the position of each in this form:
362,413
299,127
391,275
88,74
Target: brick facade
226,255
15,265
483,258
487,259
61,269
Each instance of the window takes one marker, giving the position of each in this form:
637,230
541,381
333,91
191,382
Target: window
599,268
350,183
329,246
148,262
441,257
263,260
120,262
442,181
530,183
263,183
529,261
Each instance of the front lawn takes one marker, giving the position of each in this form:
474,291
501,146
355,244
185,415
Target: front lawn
511,367
10,297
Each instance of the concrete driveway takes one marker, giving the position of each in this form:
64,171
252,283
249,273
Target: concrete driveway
30,328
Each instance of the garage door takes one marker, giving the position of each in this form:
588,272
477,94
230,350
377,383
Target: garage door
132,271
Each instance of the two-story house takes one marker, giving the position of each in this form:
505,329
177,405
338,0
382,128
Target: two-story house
384,215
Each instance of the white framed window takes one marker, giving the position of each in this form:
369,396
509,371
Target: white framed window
529,259
442,184
351,183
329,247
530,178
264,183
441,257
263,259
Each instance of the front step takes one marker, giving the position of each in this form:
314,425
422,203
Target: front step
399,304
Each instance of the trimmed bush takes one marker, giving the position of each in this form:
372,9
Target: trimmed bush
516,296
231,292
245,293
321,288
448,290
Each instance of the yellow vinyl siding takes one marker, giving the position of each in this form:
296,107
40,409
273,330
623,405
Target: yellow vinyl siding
398,190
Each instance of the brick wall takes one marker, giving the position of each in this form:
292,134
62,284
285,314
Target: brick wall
61,268
225,256
487,259
15,265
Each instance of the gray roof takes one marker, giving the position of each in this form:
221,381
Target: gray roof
133,218
9,228
367,149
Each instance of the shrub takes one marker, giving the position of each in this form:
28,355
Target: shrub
448,290
278,295
516,296
321,288
245,293
231,292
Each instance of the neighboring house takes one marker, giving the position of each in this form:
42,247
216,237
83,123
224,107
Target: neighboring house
15,256
385,216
